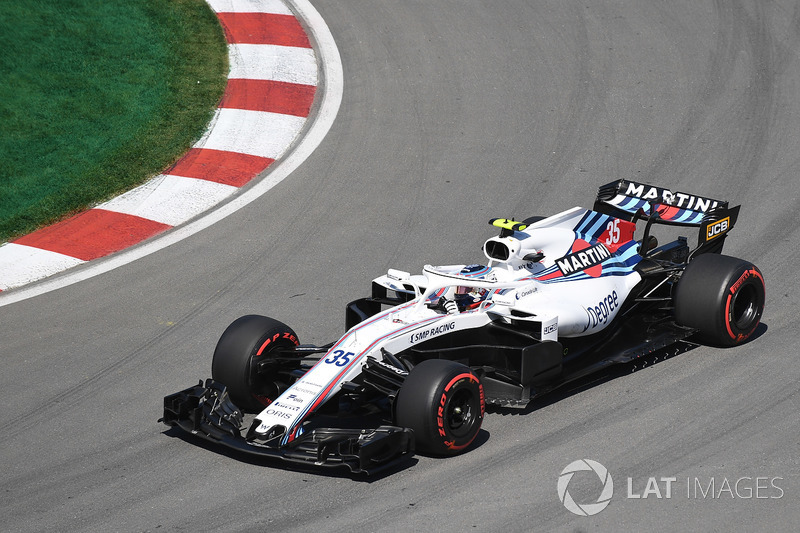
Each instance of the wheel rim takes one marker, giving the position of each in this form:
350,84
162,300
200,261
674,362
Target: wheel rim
744,308
460,413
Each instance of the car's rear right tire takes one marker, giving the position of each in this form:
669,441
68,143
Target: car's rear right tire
722,297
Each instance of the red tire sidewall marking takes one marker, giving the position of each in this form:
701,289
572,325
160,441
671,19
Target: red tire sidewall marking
443,402
733,290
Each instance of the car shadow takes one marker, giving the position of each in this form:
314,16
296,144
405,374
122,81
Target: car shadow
602,376
612,372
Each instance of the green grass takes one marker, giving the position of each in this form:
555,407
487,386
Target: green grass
97,96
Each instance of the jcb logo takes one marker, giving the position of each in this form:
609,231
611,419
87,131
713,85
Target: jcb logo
718,228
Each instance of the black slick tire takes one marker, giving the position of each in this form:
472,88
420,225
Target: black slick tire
247,342
721,296
443,403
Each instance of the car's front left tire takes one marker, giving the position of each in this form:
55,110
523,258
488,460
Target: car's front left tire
247,343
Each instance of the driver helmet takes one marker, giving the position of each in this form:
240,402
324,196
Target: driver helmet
466,295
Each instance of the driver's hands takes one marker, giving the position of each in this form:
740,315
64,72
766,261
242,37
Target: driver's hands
450,306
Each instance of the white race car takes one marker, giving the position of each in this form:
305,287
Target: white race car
558,298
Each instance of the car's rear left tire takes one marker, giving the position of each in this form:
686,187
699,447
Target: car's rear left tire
247,342
721,296
443,403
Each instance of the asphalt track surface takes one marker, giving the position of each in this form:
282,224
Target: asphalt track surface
453,112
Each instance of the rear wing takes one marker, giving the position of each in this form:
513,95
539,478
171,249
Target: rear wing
632,201
627,198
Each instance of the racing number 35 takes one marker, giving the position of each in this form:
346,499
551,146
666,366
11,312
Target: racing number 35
339,358
613,231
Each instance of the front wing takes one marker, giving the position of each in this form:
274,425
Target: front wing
207,411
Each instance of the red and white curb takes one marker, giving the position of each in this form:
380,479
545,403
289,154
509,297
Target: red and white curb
271,88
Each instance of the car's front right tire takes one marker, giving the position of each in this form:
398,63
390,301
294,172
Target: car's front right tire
443,402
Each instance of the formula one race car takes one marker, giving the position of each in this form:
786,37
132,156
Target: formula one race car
560,297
